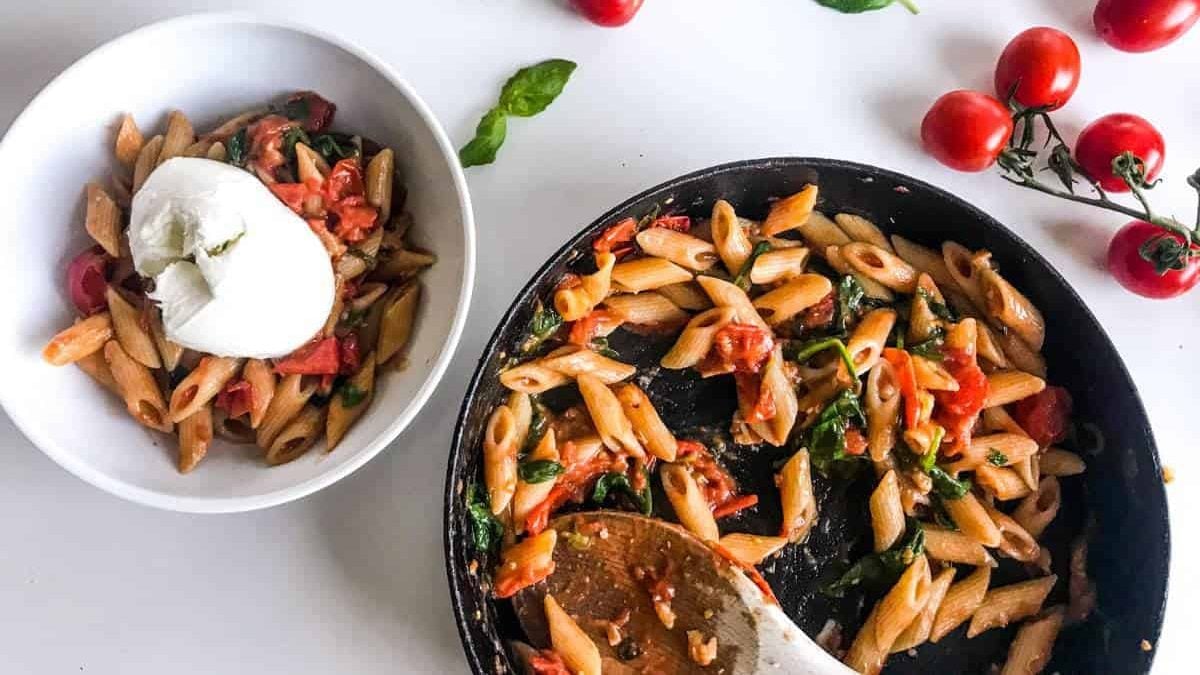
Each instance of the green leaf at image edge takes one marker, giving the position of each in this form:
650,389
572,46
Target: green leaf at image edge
859,6
533,88
486,530
489,136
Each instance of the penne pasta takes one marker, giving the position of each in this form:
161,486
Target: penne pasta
142,397
396,265
300,434
872,288
923,324
1001,482
312,169
861,229
82,339
924,260
793,297
202,384
289,398
525,563
866,655
868,339
963,267
96,368
1011,308
574,361
779,265
730,239
796,496
973,520
917,632
679,248
819,232
1058,462
1001,606
961,601
775,381
725,294
988,349
521,405
696,339
146,161
1009,386
881,403
646,309
1016,542
179,136
217,152
903,603
129,141
532,378
645,274
955,547
887,513
350,402
1020,355
1037,510
1031,649
616,432
261,378
687,296
688,501
751,549
378,180
528,495
574,303
791,212
932,376
103,220
168,352
195,435
881,266
231,126
570,641
197,149
500,458
647,425
396,321
131,330
997,449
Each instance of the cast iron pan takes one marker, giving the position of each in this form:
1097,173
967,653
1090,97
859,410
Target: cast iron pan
1122,492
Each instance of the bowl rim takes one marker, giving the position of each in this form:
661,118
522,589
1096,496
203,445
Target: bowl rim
191,504
457,455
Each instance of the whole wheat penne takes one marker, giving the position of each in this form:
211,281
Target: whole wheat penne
779,265
793,297
918,631
202,384
500,458
932,375
1031,648
142,397
923,259
521,405
528,495
1009,386
1003,483
997,418
988,349
867,341
725,294
961,601
1016,542
300,434
923,324
1011,308
697,338
217,152
887,513
1059,462
616,432
645,274
231,126
1029,471
729,238
573,361
688,296
873,289
819,232
861,229
688,501
751,549
881,403
955,547
1019,354
103,219
128,141
574,303
525,563
570,641
796,496
168,352
866,655
261,378
791,212
778,428
973,520
380,174
880,265
85,337
401,264
903,602
195,435
197,149
678,247
289,398
997,449
97,368
131,330
1036,511
1001,606
647,425
646,309
311,168
349,403
360,256
532,378
146,161
396,322
179,135
963,266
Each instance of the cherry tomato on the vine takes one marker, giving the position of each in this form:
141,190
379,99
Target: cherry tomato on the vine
1134,272
611,13
1144,25
966,130
1107,138
1039,68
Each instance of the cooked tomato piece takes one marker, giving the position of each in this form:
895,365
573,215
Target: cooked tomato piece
958,411
616,239
856,443
266,146
547,662
735,505
677,223
754,400
315,358
236,398
87,280
744,346
820,314
907,379
1045,416
584,330
355,218
291,194
313,111
718,486
349,356
572,484
344,180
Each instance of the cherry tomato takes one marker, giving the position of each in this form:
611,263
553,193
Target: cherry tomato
617,238
236,398
1105,139
87,280
611,13
1045,416
744,346
1039,68
1144,25
1135,273
314,358
966,130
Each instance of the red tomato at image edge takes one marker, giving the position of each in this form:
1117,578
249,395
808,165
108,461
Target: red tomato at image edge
1144,25
1136,274
1039,68
1105,139
966,130
610,13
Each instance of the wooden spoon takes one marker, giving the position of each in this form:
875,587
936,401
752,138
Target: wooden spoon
607,562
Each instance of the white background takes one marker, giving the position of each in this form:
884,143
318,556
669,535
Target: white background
351,580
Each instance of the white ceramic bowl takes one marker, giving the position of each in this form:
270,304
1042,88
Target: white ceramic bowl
209,66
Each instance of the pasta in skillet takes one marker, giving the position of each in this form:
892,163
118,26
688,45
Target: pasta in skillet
847,349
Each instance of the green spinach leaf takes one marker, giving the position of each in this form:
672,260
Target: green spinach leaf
860,6
486,530
742,280
291,137
618,483
236,148
826,438
545,323
601,346
352,395
850,296
940,309
947,486
331,150
996,458
539,470
538,423
880,570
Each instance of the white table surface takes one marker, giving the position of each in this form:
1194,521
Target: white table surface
351,580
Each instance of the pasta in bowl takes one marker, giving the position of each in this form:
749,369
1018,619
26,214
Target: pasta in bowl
794,360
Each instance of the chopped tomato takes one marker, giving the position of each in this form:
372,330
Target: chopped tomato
87,280
584,330
355,218
266,146
291,194
820,314
236,398
344,180
958,410
750,571
513,575
677,223
1045,416
315,358
734,505
547,662
744,346
754,400
571,484
718,486
907,378
349,357
856,443
313,111
333,246
616,239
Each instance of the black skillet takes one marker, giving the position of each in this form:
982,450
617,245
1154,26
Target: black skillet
1122,491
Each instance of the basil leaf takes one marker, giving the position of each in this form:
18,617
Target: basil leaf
931,348
542,326
880,570
352,395
291,137
533,88
860,6
236,150
486,530
489,136
939,309
331,150
538,422
618,483
742,280
996,458
539,470
850,296
947,486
